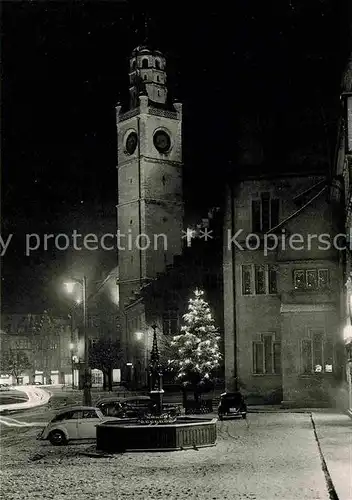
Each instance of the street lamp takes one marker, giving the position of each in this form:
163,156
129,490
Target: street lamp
87,397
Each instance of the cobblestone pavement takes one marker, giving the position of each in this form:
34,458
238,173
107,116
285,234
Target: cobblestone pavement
269,456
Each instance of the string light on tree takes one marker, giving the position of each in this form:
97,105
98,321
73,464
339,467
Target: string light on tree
197,352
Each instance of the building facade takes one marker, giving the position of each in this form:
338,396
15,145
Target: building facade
341,194
281,291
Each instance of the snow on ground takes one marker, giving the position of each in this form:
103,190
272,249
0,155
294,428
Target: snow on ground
35,395
275,456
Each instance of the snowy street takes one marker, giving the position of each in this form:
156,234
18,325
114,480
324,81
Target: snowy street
275,456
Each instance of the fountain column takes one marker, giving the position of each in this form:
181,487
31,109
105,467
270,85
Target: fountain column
156,376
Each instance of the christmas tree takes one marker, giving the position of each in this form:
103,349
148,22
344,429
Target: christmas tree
196,349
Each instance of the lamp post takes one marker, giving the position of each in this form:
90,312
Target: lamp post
87,396
72,346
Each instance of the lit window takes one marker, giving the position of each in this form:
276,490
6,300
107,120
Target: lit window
246,280
311,279
263,278
316,353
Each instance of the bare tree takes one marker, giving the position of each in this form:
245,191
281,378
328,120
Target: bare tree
14,362
105,355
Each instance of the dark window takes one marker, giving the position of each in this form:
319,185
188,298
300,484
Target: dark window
170,322
274,215
157,78
256,220
145,77
267,356
258,357
265,213
157,64
145,63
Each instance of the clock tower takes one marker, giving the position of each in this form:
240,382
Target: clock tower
150,200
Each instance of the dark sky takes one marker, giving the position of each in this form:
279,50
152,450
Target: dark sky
259,83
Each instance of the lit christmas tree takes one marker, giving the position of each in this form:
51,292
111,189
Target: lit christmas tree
196,349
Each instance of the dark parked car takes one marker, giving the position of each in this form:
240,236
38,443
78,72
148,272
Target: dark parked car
232,404
131,407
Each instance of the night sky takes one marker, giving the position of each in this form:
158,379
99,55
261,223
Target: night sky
260,86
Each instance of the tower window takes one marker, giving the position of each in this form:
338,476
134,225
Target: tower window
157,64
157,78
145,77
158,93
145,63
163,180
131,222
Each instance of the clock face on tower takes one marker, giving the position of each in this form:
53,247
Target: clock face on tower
162,141
131,143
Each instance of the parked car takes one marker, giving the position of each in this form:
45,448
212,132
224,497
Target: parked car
232,404
131,407
73,423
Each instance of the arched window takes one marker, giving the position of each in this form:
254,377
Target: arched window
157,64
145,77
157,78
145,63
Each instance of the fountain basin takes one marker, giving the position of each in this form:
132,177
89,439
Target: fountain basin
126,436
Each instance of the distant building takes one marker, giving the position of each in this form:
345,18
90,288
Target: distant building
45,340
281,306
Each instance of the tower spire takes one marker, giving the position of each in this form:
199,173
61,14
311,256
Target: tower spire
146,25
